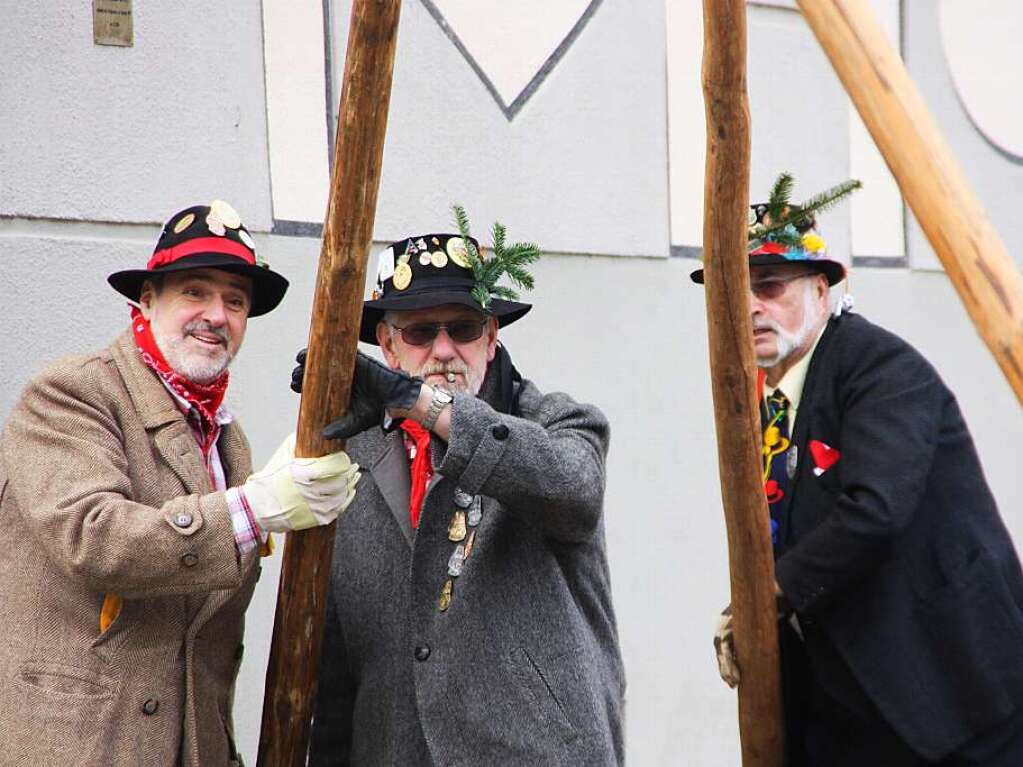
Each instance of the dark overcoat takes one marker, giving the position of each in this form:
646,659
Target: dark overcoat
103,491
523,667
897,562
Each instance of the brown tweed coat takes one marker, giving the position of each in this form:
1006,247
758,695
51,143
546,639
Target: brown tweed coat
102,490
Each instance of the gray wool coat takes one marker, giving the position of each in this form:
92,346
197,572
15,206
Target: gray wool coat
103,491
523,667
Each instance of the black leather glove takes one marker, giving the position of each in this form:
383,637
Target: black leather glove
375,388
298,374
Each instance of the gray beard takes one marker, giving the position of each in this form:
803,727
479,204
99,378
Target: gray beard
196,368
473,379
787,342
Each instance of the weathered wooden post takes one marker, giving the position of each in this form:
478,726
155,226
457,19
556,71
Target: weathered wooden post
733,379
975,259
333,337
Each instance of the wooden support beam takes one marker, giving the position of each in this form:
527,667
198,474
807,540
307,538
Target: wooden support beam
333,338
733,380
975,258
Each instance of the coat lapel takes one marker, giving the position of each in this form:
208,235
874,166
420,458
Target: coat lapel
390,472
160,416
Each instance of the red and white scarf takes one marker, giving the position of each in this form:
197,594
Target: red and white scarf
205,398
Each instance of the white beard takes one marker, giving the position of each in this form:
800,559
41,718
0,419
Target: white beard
196,366
785,342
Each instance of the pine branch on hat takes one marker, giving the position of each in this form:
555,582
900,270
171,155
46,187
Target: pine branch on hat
506,259
784,219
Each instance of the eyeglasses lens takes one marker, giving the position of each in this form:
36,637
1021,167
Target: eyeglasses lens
768,289
460,331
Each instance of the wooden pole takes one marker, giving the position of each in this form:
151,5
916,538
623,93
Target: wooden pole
733,381
333,338
974,257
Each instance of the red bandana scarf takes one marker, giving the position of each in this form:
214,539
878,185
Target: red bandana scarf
422,468
206,398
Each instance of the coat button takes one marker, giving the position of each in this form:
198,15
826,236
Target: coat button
183,520
150,706
422,652
189,560
500,432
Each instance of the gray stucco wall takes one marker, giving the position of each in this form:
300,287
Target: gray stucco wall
626,333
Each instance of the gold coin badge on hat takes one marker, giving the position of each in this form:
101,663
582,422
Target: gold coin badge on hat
424,258
458,253
228,215
439,259
184,222
402,276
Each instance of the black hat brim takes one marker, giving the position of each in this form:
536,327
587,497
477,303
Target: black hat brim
373,312
268,287
833,270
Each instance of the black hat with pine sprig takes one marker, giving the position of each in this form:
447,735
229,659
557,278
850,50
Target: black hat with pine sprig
782,233
428,270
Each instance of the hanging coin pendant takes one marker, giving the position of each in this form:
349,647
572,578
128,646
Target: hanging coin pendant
456,529
792,461
470,543
445,595
475,512
462,499
456,561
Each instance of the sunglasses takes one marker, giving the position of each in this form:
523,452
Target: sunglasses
774,287
459,331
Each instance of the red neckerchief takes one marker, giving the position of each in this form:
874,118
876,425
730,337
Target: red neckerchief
205,398
422,468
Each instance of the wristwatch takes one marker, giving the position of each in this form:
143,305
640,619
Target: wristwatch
440,400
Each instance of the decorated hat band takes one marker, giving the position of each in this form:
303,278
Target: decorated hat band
211,237
781,232
430,270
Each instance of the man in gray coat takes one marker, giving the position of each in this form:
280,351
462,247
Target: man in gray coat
469,618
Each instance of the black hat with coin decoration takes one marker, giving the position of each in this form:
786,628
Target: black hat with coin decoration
207,236
782,233
424,271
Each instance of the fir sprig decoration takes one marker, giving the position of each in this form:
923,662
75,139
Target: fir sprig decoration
505,259
785,218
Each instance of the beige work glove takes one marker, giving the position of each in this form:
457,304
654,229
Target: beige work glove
298,493
724,648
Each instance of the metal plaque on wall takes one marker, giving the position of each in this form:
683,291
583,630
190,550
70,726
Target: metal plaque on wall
112,22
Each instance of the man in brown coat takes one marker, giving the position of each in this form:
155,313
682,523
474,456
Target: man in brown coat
130,524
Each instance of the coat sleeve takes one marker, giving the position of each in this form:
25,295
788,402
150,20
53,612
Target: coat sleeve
70,479
547,466
891,403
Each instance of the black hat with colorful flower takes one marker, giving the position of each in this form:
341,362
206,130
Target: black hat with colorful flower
207,236
783,233
428,270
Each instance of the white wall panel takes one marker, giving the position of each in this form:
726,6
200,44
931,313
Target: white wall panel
296,105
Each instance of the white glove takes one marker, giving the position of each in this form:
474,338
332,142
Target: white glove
724,648
298,493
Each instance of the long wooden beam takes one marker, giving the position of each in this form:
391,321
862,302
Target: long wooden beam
733,381
333,338
975,258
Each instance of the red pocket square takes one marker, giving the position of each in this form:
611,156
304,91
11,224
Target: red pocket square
824,456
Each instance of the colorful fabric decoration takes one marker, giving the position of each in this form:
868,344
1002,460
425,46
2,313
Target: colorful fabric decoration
824,456
206,398
422,468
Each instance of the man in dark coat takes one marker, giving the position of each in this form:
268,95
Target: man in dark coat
469,619
904,645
